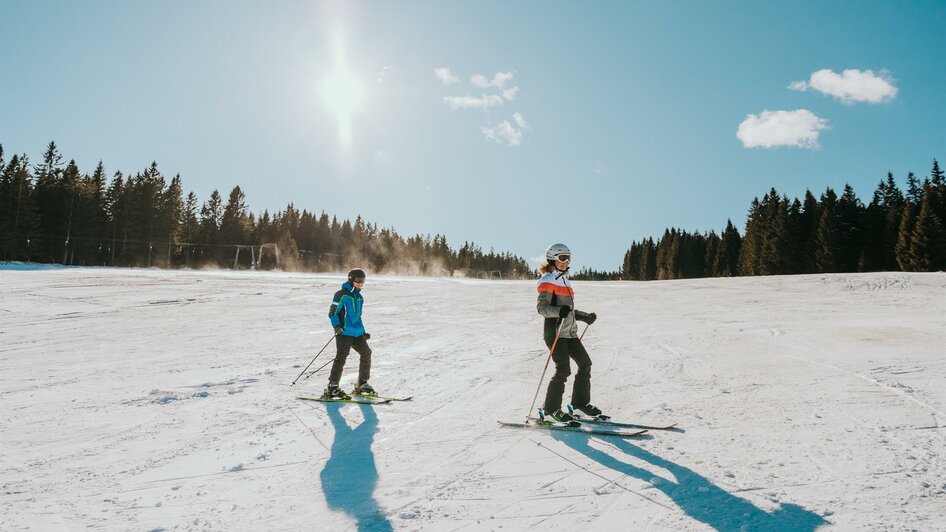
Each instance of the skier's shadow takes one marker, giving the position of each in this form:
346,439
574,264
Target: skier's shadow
350,474
694,494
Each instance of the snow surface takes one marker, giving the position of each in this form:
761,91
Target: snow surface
160,400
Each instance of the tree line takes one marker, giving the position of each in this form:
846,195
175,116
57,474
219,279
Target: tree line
897,231
52,212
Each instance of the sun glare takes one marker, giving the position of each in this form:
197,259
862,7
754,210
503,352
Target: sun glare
342,92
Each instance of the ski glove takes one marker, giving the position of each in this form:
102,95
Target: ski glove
339,329
587,317
564,311
367,336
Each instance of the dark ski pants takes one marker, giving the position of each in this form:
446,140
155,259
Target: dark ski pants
565,349
344,345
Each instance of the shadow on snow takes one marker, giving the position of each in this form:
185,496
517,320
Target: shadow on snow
350,475
694,494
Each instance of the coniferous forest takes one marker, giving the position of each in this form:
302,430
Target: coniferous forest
53,212
896,231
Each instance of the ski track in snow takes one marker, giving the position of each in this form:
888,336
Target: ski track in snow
160,400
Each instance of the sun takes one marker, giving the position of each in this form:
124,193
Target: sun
342,91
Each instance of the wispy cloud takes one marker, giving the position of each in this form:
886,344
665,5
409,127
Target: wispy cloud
498,92
506,133
499,80
851,86
445,76
485,101
770,129
384,70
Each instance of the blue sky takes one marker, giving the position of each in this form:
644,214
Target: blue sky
608,121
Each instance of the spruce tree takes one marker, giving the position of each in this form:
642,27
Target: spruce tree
751,252
7,206
849,215
905,238
49,205
928,239
726,262
827,234
233,222
913,189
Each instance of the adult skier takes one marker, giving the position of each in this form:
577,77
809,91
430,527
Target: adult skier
556,305
345,315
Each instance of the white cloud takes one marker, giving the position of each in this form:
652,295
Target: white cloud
506,133
485,101
384,70
520,120
769,129
851,86
444,75
499,80
497,93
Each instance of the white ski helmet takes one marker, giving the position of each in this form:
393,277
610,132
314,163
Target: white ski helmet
555,251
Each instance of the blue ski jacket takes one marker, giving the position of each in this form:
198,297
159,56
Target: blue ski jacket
346,311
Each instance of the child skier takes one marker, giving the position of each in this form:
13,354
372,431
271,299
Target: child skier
556,305
345,315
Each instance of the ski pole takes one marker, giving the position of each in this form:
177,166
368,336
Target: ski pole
316,370
313,358
583,332
542,378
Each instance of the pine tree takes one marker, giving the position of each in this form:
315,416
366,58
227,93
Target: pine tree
49,204
938,189
775,243
8,199
713,243
115,213
849,215
171,216
904,247
827,234
937,176
631,268
726,261
751,252
913,189
210,214
233,222
928,239
71,194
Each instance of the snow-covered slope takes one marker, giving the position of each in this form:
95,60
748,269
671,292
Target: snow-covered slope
143,400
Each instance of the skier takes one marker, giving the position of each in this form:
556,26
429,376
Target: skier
556,305
345,315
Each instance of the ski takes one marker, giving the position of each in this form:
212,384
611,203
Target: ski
381,397
606,421
618,424
548,425
358,401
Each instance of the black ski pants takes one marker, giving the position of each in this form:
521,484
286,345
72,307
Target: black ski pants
344,345
568,349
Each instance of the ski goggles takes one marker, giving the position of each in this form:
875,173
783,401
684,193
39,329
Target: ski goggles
358,280
563,258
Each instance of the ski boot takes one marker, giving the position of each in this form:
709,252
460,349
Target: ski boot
334,393
561,417
589,410
364,389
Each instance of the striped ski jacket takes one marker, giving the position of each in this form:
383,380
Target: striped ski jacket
346,310
555,291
